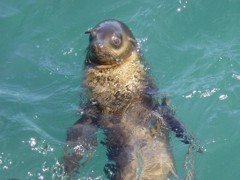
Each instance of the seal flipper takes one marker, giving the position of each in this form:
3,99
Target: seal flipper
174,125
81,141
181,132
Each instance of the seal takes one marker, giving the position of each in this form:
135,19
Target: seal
136,126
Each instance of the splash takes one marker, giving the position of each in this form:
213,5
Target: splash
206,93
236,76
41,147
5,162
223,97
70,51
183,5
209,92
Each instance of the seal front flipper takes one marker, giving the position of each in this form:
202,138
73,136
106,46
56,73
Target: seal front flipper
174,125
81,141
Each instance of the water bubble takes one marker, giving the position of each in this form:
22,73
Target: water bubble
223,97
40,176
140,41
44,169
41,147
70,51
188,96
236,76
32,142
29,174
208,92
182,5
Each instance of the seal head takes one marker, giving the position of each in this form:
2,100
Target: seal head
110,42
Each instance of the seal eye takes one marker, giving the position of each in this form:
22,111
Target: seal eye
116,41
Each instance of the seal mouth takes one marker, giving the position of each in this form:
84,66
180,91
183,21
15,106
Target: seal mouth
100,54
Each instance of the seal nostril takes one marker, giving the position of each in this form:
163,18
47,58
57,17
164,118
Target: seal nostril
93,33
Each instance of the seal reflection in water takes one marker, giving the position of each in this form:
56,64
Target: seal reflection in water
120,103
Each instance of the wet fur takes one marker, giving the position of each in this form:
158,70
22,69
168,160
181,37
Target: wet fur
135,124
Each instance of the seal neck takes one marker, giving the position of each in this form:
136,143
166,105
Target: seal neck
132,55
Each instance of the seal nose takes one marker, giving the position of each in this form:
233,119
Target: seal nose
93,34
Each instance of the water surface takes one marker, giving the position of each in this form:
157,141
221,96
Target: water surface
192,48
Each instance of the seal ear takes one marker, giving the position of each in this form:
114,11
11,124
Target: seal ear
133,41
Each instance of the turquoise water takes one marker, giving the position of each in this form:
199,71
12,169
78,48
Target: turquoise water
193,50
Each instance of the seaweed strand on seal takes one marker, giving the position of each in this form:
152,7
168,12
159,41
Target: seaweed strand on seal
136,126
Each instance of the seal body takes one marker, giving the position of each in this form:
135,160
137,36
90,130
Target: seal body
119,103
